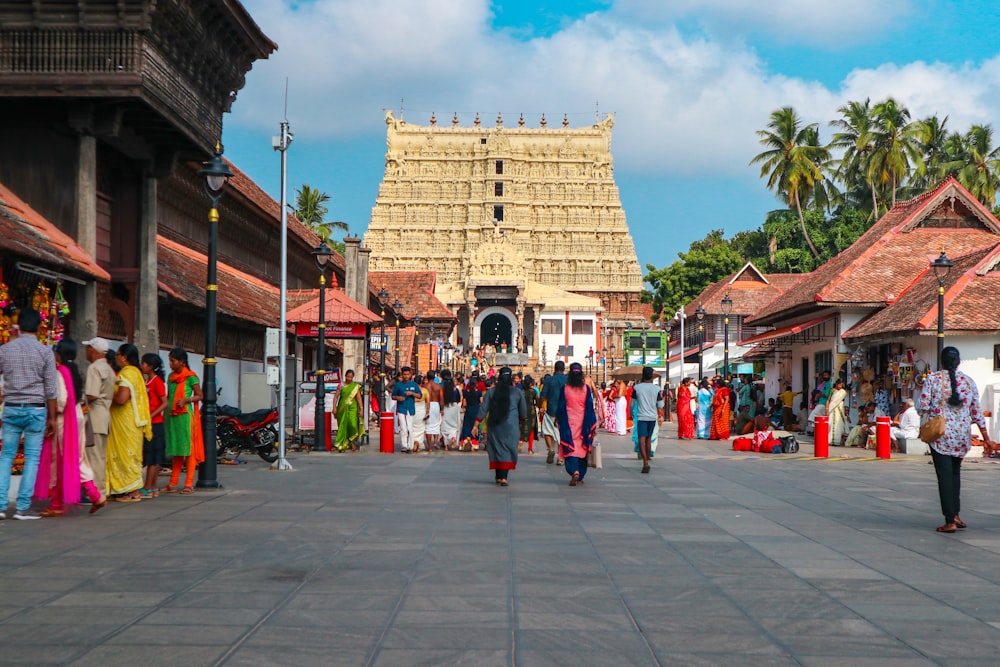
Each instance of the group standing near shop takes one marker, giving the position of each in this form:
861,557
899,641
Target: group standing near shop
94,438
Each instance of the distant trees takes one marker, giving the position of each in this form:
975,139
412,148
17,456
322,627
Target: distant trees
311,210
876,155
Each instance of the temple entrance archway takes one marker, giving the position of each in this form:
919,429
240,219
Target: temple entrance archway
496,329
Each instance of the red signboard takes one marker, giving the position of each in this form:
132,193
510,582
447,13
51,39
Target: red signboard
333,330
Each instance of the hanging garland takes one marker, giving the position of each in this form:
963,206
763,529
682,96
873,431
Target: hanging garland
40,302
5,320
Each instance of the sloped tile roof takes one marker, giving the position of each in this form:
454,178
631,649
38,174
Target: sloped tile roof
26,233
249,189
182,274
406,340
339,308
885,260
970,301
749,289
415,290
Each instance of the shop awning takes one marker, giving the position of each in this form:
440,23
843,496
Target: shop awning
774,334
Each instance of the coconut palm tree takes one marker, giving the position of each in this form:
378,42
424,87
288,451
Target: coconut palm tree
857,141
979,172
934,150
896,152
791,162
310,208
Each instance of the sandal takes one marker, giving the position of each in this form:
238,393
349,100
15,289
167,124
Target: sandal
187,490
503,482
49,513
575,479
959,523
945,528
169,489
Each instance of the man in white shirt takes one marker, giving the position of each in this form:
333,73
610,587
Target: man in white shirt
908,423
99,388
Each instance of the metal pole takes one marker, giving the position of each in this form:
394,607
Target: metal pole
207,473
320,428
680,316
725,347
701,345
397,343
283,142
940,322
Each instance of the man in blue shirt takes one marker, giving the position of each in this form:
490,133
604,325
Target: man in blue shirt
404,393
552,394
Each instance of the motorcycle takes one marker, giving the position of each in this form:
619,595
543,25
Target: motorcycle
255,432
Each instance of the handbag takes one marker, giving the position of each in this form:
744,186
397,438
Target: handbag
594,456
932,429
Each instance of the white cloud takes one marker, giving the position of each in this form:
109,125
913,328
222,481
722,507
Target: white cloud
683,104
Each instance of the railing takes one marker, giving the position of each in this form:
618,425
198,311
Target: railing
68,51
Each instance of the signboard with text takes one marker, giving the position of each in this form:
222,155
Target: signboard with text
333,330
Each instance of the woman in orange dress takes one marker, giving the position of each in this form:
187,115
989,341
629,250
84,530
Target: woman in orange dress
720,413
685,417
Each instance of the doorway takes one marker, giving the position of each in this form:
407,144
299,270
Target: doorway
495,330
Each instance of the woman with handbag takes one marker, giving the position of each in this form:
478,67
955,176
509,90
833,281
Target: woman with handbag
950,402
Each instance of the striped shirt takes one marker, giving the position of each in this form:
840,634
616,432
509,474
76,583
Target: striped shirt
29,371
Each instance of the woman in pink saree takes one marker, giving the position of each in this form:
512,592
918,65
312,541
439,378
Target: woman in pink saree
63,467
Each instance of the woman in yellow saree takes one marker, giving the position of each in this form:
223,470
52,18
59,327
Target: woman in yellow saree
348,413
130,426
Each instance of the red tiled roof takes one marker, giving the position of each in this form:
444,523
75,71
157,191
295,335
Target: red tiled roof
339,308
182,276
24,232
415,290
970,301
884,261
749,289
253,193
406,339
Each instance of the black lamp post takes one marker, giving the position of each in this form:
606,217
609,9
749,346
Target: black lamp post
942,266
668,328
322,255
727,308
383,300
604,358
612,356
642,337
700,314
216,174
416,343
396,307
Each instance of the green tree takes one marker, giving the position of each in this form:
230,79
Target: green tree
896,154
705,262
791,162
933,144
978,167
855,139
311,209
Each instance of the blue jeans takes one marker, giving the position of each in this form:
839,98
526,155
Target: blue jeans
31,423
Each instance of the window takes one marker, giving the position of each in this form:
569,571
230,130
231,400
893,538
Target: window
823,362
498,189
583,326
499,164
552,326
498,212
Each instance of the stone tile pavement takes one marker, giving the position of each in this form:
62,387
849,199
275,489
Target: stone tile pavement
715,558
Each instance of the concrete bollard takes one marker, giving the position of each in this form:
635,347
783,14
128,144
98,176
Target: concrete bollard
822,436
883,440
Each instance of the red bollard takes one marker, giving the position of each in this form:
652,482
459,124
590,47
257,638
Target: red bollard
329,431
883,440
822,437
386,433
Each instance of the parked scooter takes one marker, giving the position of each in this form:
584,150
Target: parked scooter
255,432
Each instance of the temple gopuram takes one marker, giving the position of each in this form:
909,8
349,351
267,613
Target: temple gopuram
523,227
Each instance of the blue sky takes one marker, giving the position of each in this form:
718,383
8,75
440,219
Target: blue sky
689,81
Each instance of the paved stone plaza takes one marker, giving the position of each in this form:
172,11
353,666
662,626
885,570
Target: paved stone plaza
715,558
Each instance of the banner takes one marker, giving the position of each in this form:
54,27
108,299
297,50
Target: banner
333,330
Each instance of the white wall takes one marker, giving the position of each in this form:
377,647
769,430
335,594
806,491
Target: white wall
581,342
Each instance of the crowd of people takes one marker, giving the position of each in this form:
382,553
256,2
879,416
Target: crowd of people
106,435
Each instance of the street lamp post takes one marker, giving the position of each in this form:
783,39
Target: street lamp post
681,316
604,359
700,314
383,300
727,308
416,343
942,266
322,255
613,348
216,174
642,337
668,329
396,307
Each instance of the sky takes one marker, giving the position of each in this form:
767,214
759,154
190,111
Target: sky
689,83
